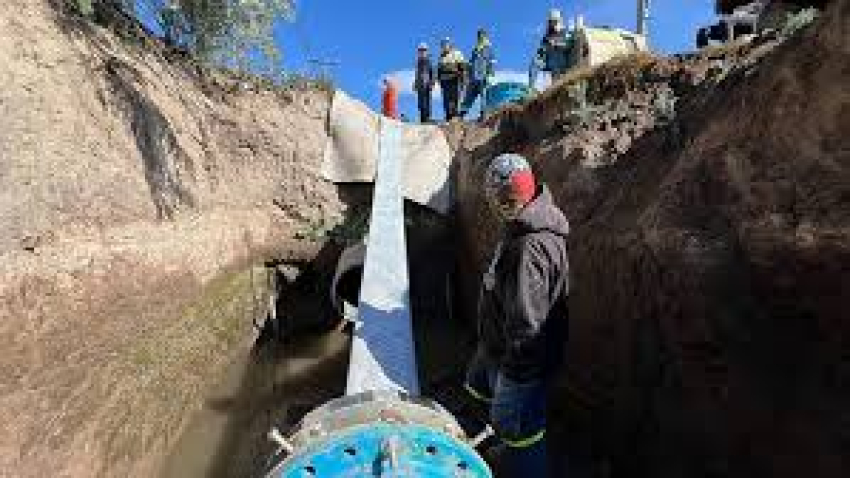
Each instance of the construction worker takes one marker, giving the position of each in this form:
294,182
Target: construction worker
481,72
521,315
450,72
170,22
423,83
555,53
389,100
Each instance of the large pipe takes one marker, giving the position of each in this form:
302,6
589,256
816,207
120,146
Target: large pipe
348,277
381,427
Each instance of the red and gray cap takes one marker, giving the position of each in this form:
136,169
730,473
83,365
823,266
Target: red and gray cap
510,173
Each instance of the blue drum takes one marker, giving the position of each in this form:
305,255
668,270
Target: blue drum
501,94
387,434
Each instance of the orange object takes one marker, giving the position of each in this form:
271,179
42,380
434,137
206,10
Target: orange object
390,100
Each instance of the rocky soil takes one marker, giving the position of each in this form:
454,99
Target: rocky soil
710,203
134,195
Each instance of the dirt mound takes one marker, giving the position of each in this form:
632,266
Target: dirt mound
710,255
133,195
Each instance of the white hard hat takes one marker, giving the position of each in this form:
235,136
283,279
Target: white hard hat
422,46
555,15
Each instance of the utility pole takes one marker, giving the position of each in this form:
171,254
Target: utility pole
642,17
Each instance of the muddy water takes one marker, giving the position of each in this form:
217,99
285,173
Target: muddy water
274,384
277,383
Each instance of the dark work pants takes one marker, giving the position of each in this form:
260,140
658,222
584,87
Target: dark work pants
518,415
451,96
423,97
473,90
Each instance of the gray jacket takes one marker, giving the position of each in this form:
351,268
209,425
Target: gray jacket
520,326
424,79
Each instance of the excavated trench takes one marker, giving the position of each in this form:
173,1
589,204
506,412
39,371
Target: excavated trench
709,255
708,331
299,360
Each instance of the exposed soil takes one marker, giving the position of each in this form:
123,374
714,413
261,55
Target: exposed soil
298,367
710,255
135,193
710,204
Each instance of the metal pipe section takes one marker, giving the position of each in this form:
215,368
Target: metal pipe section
382,350
378,434
381,427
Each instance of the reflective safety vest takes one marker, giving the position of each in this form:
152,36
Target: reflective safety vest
451,65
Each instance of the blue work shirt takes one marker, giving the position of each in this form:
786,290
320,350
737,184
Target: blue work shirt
481,62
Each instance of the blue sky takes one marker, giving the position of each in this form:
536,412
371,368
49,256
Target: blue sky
370,39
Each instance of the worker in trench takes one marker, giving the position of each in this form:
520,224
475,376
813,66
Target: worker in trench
521,316
555,53
423,82
451,68
481,71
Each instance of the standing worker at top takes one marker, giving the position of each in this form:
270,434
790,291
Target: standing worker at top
521,315
389,101
423,83
481,72
450,71
555,53
170,16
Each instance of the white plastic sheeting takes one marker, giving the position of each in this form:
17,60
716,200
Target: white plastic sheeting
352,149
382,349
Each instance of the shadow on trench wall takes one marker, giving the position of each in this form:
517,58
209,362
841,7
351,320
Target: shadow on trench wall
293,366
301,362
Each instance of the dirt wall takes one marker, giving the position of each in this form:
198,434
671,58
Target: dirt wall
134,193
708,328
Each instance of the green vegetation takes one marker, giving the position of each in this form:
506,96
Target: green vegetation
210,325
162,375
85,7
231,33
280,82
228,34
797,21
350,230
